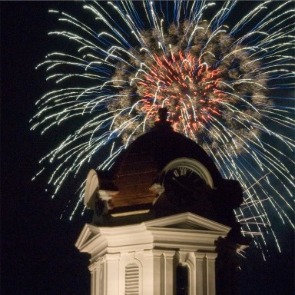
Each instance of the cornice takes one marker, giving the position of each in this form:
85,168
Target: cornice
166,233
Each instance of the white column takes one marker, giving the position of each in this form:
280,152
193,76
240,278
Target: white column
92,269
200,276
147,273
168,272
112,274
158,272
210,273
97,277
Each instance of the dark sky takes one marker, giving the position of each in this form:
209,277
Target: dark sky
37,248
38,255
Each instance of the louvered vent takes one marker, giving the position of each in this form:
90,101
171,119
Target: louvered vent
132,279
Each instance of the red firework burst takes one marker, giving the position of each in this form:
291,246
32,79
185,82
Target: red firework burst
189,89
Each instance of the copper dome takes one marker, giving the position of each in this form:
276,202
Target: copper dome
141,163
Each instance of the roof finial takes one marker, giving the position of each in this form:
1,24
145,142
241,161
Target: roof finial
163,122
163,114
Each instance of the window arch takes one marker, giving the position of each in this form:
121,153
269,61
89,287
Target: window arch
192,164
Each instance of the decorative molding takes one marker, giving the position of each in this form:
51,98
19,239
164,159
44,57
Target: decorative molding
168,232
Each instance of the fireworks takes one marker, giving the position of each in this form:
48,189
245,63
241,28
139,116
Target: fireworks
221,76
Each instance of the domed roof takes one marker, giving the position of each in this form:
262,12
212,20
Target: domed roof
141,163
140,180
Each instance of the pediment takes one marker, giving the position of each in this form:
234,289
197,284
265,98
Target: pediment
188,221
88,233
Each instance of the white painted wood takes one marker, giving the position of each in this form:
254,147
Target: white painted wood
156,247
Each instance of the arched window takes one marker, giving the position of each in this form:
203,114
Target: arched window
182,273
132,279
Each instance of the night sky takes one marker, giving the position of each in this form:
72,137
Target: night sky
38,255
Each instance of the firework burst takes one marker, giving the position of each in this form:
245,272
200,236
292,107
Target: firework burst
221,83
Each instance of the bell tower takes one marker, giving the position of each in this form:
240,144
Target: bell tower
163,221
